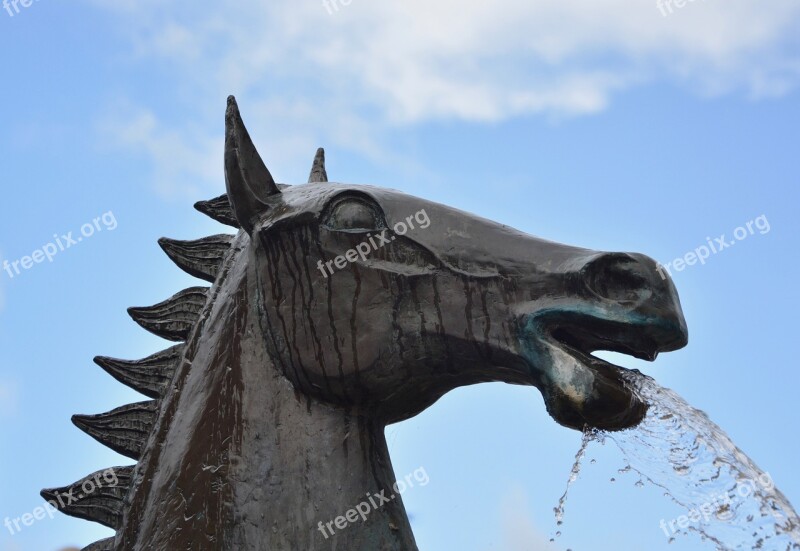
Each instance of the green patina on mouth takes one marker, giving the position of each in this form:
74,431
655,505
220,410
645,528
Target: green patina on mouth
579,389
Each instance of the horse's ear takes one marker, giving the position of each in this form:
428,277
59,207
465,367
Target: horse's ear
318,173
247,178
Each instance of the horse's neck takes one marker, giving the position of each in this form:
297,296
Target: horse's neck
243,461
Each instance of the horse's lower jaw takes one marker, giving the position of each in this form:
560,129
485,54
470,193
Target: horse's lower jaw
587,392
582,391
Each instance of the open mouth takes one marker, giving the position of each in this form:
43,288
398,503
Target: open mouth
582,390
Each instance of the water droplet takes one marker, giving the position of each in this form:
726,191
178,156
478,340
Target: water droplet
588,436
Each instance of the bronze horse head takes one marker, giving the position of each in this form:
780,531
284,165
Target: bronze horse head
336,310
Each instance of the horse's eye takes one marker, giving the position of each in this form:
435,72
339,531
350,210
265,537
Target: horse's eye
354,215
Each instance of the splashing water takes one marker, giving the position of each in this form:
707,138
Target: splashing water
728,499
588,436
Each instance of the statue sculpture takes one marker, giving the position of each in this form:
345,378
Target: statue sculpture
269,415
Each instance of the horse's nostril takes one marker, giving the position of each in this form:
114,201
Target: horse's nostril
619,277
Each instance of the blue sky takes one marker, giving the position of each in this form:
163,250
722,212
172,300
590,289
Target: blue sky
606,125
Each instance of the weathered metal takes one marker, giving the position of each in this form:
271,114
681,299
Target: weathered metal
336,310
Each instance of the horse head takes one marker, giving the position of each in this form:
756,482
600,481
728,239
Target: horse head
376,299
336,310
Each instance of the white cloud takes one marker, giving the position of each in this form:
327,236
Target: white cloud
520,533
8,399
348,76
415,59
184,161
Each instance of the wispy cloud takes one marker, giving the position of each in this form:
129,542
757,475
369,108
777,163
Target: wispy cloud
8,399
520,533
349,77
184,162
416,60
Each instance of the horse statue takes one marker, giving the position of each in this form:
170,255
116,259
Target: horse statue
335,311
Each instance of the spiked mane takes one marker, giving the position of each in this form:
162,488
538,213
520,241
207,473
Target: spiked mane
127,429
268,411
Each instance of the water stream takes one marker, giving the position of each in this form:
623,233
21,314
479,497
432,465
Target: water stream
728,500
